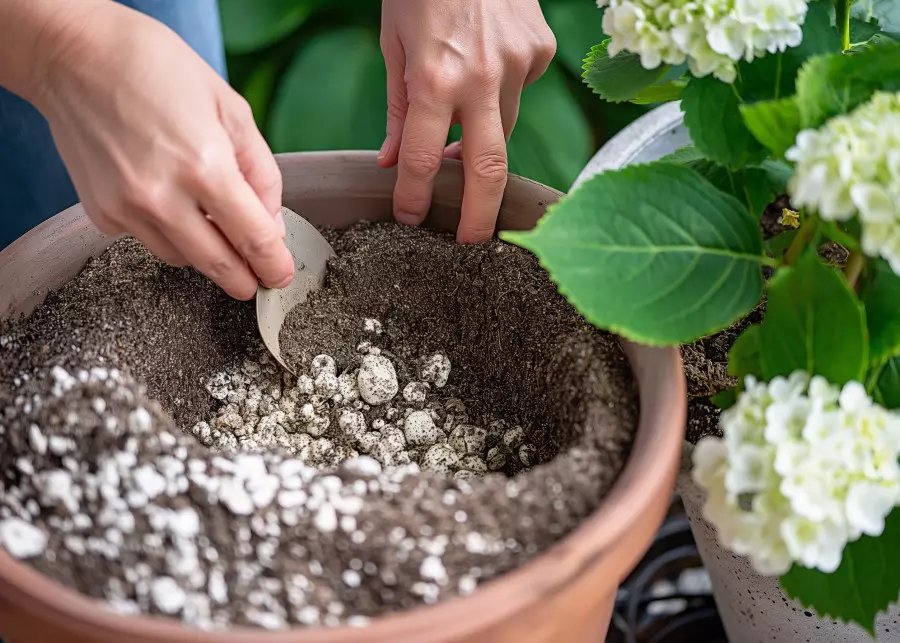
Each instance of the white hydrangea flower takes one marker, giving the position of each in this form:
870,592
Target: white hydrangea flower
711,35
803,468
851,166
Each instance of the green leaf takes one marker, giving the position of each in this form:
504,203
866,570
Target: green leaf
774,123
774,76
620,78
882,300
866,582
333,96
248,25
725,399
653,252
683,156
662,93
713,118
576,24
745,356
836,84
814,323
552,140
756,187
862,32
885,384
778,245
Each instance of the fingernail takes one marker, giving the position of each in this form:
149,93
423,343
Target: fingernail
408,219
279,220
384,148
286,282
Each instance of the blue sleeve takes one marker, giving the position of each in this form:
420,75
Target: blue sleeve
34,184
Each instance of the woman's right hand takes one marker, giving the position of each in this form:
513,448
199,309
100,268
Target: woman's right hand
160,147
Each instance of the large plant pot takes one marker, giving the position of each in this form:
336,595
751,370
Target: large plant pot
753,608
564,596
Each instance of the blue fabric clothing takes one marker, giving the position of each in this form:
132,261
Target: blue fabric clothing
34,184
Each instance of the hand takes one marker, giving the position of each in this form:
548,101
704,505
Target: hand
457,61
159,146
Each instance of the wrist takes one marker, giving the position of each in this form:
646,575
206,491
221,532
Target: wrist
36,38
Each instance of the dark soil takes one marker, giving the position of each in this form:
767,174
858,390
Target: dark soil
517,348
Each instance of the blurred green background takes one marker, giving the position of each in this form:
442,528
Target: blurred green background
314,75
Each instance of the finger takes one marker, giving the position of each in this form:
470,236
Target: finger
485,166
254,157
204,246
254,233
453,151
154,240
421,151
397,103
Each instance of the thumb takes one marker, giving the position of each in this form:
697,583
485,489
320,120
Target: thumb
397,103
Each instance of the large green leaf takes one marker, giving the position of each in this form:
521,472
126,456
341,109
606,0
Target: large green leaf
713,117
552,140
882,301
653,252
755,186
866,582
620,78
578,26
836,84
814,323
248,25
333,96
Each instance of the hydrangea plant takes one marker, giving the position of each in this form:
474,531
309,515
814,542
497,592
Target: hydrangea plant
780,97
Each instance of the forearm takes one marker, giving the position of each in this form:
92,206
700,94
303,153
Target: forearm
32,34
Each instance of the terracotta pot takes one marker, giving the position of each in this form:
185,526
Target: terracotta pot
565,596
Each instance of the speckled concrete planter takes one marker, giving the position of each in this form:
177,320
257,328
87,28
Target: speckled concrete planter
565,596
754,609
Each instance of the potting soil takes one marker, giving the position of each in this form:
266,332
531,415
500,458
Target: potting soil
106,489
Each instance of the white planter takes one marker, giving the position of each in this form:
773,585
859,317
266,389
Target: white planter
753,608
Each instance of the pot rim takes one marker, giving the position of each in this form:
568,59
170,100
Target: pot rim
648,472
621,150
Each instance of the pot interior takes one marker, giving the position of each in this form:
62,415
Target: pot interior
336,190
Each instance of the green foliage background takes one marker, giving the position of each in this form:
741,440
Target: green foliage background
314,75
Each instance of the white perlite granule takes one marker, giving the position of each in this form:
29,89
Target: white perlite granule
95,511
325,418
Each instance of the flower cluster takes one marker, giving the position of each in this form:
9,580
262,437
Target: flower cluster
852,165
712,35
804,468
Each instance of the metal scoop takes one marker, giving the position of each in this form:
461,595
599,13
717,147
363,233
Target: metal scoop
311,253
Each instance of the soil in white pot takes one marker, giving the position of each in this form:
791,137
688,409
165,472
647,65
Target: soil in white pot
201,499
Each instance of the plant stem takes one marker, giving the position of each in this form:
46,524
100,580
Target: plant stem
798,245
854,268
842,15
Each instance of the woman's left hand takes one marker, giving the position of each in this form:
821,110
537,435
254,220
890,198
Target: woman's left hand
457,61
